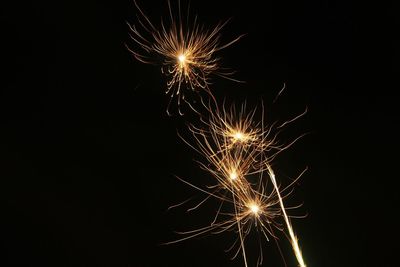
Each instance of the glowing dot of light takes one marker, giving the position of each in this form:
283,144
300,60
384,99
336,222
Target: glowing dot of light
182,59
238,136
233,175
254,208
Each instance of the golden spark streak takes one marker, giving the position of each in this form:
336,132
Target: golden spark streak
293,238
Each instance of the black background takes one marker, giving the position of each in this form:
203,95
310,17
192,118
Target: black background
88,154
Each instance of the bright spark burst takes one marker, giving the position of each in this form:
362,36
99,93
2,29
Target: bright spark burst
188,53
254,208
239,137
233,175
238,154
182,61
293,238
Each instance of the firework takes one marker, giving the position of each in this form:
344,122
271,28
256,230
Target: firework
186,52
238,152
237,148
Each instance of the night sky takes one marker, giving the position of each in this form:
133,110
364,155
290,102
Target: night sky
88,154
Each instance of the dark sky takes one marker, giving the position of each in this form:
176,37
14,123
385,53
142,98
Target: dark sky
88,154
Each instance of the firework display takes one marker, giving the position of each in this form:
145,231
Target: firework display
236,145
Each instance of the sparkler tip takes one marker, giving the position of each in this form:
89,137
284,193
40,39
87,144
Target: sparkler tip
254,208
182,58
233,175
238,136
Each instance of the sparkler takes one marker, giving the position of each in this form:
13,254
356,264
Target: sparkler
236,150
188,53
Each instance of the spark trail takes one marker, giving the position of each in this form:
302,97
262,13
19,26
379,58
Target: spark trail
293,238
